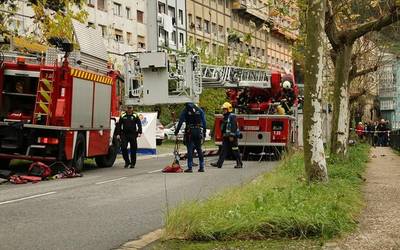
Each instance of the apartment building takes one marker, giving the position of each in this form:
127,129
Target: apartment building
171,23
122,24
389,90
211,21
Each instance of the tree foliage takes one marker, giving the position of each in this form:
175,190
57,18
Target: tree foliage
54,17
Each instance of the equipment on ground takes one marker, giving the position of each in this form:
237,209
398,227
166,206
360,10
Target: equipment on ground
60,108
175,167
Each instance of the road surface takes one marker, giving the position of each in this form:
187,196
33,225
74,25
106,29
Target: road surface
107,207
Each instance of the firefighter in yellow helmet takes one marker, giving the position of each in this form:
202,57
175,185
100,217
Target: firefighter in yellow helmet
230,134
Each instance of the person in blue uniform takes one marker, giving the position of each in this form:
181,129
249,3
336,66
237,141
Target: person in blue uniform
195,130
230,131
128,128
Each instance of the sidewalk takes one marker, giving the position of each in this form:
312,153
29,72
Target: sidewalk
380,220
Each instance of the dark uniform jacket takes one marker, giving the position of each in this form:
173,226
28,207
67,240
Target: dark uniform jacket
229,125
129,125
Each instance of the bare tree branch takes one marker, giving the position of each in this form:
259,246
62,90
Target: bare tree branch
350,35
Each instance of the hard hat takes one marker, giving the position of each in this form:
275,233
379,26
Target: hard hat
227,106
286,85
280,110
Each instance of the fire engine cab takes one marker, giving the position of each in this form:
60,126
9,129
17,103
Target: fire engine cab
59,109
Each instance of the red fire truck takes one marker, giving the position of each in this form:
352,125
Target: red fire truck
57,112
265,104
256,94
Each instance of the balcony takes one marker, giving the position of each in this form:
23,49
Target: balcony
247,8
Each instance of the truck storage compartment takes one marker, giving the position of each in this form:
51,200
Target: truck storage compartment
18,98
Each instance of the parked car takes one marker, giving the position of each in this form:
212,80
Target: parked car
160,133
169,132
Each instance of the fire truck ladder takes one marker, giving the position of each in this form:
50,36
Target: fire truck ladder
233,77
42,112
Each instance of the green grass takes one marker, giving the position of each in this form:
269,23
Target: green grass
239,245
280,205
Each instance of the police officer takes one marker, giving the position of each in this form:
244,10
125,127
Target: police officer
195,131
229,137
128,128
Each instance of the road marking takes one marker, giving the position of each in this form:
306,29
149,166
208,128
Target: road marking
102,182
155,171
26,198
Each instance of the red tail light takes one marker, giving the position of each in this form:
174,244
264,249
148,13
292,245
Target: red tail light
48,140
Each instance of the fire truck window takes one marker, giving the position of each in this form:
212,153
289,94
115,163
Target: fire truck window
277,126
18,96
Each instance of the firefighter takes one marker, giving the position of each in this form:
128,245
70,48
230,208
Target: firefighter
229,131
195,131
288,96
128,128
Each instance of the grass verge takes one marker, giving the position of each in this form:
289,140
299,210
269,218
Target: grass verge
280,205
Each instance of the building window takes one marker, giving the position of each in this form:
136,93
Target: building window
129,38
117,9
161,8
198,23
141,42
90,3
119,36
214,29
173,37
128,13
180,17
221,31
214,49
198,43
171,13
103,30
207,26
91,25
181,39
227,4
101,5
221,2
140,17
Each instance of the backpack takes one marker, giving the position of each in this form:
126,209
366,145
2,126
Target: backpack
39,169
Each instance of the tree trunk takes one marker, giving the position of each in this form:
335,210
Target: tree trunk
314,153
341,112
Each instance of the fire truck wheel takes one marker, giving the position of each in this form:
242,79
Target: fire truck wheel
79,155
5,163
107,161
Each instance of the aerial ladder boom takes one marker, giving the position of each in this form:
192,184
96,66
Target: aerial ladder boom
158,78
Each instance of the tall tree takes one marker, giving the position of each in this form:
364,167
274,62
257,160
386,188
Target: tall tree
314,153
344,24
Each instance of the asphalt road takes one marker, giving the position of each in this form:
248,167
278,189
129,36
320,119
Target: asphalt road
107,207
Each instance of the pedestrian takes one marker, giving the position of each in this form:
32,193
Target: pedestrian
128,128
360,130
195,130
376,134
230,131
382,130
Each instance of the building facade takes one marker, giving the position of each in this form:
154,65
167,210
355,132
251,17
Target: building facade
211,22
389,90
122,24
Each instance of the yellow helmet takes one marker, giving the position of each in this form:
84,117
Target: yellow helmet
280,110
227,106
